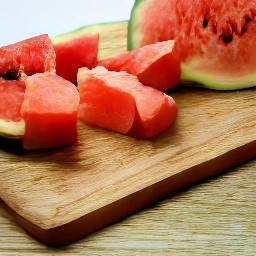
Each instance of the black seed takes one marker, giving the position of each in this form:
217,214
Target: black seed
247,20
10,75
205,23
226,39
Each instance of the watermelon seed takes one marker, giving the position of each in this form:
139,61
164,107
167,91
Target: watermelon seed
246,22
205,23
227,39
227,32
10,75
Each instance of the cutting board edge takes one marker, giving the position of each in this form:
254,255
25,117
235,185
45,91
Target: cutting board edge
116,211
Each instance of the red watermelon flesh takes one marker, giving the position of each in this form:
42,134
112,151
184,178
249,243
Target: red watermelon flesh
214,39
30,56
11,98
49,110
119,102
155,65
156,113
103,105
75,51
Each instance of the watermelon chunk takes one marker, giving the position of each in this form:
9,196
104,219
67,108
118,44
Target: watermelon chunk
215,40
119,102
76,49
49,110
155,65
30,56
11,98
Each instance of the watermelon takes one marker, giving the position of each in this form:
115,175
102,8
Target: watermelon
49,110
152,64
11,98
30,56
117,101
213,39
76,49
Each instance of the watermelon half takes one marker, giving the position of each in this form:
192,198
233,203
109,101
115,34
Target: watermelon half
76,49
215,40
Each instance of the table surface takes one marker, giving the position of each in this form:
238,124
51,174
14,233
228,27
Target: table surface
215,217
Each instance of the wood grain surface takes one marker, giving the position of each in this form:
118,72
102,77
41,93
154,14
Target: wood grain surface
61,195
216,217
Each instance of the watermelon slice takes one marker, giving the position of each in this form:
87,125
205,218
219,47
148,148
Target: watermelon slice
213,39
155,65
49,110
76,49
119,102
30,56
11,98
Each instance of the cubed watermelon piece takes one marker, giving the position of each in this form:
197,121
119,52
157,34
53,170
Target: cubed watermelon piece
155,65
102,105
76,49
119,102
49,110
30,56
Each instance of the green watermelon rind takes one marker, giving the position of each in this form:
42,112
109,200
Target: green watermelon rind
79,32
217,82
91,29
132,37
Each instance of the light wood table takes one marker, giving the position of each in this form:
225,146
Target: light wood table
216,217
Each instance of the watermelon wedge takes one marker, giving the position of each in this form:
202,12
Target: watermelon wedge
49,110
155,65
76,49
11,98
30,56
117,101
214,40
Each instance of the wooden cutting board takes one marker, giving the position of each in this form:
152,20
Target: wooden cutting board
61,195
